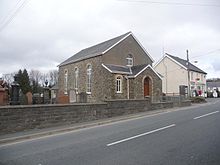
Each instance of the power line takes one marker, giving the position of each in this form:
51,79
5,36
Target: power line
9,13
8,19
205,54
171,3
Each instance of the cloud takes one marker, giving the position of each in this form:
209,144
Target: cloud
45,33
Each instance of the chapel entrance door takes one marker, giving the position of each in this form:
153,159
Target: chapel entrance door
147,84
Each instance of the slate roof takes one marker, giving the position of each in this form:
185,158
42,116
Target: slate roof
130,71
136,69
118,69
184,63
95,50
213,84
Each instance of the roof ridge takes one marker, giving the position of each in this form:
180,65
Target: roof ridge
117,65
176,58
107,40
95,50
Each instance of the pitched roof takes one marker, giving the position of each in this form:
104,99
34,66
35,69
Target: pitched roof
95,50
136,69
184,63
118,69
213,84
132,72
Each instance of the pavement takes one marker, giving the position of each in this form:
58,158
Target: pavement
38,133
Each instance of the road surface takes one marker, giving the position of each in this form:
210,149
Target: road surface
185,137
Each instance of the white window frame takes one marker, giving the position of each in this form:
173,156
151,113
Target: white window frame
76,75
192,76
130,60
65,81
202,77
88,79
118,84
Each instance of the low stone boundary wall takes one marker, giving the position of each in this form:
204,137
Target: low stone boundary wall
20,118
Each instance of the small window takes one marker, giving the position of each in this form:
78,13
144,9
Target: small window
65,81
88,85
118,84
129,60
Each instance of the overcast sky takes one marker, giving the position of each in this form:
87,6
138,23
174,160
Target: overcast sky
44,33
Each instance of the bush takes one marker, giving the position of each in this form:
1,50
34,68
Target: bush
198,99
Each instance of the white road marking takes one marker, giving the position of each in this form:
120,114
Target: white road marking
143,134
205,115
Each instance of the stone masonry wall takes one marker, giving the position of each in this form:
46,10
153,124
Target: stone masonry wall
103,83
96,78
137,84
20,118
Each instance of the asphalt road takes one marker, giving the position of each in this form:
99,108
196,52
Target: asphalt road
186,137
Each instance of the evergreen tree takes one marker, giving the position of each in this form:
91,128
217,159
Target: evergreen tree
24,82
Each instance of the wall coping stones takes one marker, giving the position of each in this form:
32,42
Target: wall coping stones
49,105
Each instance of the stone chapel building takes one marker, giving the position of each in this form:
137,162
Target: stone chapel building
119,68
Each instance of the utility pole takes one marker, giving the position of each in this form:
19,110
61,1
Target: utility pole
187,54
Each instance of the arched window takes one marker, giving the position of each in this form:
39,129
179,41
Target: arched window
129,60
65,81
119,84
89,73
76,74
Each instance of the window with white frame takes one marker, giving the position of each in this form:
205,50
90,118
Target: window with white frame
76,72
192,77
89,73
119,84
65,81
202,77
129,60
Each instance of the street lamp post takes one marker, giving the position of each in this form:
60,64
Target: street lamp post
187,53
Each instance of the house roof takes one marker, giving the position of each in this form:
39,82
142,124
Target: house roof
213,84
95,50
117,69
184,63
100,49
132,72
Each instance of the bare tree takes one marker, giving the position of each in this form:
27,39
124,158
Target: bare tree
53,74
35,75
35,80
9,78
44,78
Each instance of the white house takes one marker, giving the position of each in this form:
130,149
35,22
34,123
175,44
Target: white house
178,72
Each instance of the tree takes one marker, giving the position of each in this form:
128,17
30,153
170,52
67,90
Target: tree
53,74
35,78
24,82
9,78
44,78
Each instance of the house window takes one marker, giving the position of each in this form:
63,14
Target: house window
88,85
65,81
192,78
76,72
129,60
119,84
202,77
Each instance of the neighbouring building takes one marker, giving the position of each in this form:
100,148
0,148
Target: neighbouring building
213,85
213,88
177,73
119,68
4,98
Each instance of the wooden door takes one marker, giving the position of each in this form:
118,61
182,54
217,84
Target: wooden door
146,86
